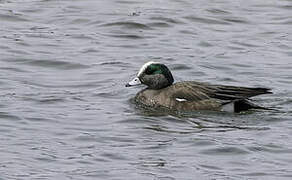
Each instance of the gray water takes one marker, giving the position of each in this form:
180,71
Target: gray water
65,113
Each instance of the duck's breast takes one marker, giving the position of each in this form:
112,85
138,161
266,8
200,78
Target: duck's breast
167,99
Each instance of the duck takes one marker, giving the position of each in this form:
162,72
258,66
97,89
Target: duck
189,96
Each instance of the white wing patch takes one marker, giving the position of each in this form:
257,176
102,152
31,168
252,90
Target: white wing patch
180,99
143,68
228,107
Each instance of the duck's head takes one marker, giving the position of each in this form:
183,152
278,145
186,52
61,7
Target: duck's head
154,75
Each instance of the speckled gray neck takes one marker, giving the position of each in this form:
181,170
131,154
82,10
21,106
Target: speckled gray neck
157,81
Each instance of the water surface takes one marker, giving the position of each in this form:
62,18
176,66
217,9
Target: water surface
65,113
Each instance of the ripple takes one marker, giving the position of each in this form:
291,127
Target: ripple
288,7
206,20
258,174
49,64
79,21
210,167
245,44
180,67
168,20
225,151
20,52
146,162
205,44
51,100
271,149
14,69
81,36
4,47
113,156
218,11
159,24
11,18
113,95
8,116
236,20
115,63
128,2
126,36
127,25
40,119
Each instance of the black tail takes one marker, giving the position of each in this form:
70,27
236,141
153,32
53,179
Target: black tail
244,105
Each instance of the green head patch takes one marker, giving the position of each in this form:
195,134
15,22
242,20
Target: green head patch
154,68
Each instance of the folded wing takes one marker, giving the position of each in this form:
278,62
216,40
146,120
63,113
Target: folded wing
195,91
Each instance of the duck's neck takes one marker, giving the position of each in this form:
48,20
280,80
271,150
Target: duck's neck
157,81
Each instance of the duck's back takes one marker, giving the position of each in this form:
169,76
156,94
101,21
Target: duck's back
192,96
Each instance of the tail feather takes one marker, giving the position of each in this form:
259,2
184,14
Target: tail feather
232,93
241,105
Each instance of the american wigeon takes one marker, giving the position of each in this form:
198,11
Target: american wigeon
189,95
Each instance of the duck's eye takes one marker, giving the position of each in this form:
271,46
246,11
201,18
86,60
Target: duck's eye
150,70
135,79
153,69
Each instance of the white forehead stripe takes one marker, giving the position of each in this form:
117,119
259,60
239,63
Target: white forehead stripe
143,68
